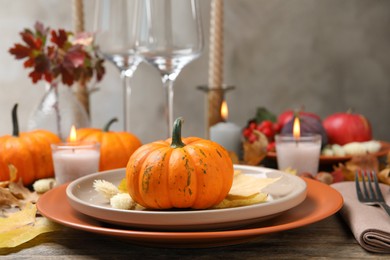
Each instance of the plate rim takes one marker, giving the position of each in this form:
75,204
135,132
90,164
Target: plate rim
210,216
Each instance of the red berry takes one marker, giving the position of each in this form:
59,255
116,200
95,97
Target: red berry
252,138
268,132
271,147
252,125
266,124
247,132
277,127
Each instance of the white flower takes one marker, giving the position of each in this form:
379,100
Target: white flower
122,201
107,189
43,185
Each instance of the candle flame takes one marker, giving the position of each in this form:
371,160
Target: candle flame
224,110
296,128
73,135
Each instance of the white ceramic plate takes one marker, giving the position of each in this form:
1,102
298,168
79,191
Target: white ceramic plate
284,194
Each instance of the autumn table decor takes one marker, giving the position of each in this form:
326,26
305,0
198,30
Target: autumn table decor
61,59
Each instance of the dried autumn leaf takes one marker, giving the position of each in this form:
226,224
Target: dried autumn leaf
358,163
22,193
255,152
12,221
22,226
4,184
13,173
384,176
7,199
364,162
348,174
24,234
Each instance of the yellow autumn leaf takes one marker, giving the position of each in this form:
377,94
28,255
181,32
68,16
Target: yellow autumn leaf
22,226
20,218
20,235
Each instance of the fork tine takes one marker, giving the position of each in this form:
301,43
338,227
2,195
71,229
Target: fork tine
377,188
358,190
372,193
365,185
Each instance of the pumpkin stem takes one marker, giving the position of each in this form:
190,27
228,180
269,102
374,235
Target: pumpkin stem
176,134
108,125
15,123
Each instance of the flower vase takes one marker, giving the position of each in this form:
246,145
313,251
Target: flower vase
58,110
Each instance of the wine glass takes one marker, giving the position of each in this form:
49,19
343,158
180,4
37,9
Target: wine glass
115,27
169,37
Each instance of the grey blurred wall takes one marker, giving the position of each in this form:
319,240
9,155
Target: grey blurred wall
325,55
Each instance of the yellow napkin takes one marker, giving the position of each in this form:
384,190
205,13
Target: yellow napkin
369,224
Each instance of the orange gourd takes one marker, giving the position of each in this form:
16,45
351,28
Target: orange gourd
179,173
115,147
29,152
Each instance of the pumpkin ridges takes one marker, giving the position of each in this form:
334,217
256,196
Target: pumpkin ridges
4,172
181,181
227,168
130,143
185,177
47,139
110,159
115,151
204,182
27,152
215,164
16,153
222,171
192,140
133,168
36,149
153,177
218,165
50,138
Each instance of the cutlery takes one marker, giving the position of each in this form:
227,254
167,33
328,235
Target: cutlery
370,195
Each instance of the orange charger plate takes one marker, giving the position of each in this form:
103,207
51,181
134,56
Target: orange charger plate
321,202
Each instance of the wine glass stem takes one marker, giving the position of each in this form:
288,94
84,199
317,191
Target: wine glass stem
168,88
126,100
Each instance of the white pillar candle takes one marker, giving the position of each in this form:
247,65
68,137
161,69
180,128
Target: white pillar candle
228,135
301,154
216,45
74,160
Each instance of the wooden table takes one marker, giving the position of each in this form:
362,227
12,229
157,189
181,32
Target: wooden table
329,238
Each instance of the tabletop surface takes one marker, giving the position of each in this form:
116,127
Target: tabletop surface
329,238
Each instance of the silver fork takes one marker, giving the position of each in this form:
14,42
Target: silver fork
370,196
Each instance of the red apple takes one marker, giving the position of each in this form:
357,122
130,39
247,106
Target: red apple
343,128
287,115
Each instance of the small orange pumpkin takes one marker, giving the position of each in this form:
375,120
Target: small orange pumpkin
29,152
115,147
189,173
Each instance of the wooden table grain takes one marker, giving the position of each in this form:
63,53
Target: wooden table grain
329,238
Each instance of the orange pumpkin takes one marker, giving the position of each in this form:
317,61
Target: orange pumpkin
29,152
189,173
115,147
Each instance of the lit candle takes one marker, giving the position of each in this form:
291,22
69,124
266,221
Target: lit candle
299,152
74,159
226,134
